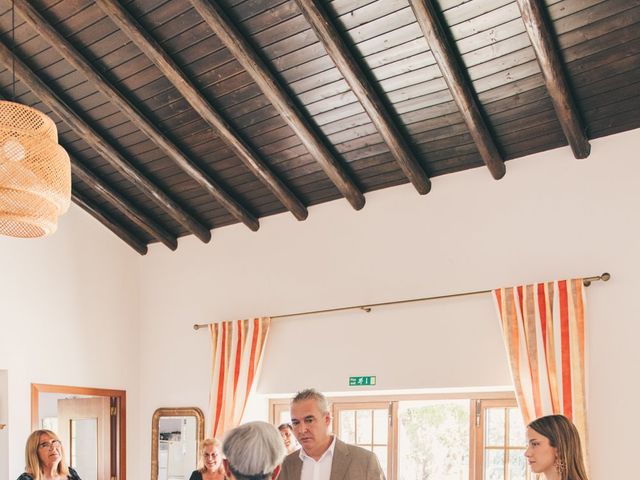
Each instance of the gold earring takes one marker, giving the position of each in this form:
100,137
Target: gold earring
561,467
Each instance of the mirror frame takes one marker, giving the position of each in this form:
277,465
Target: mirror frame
173,412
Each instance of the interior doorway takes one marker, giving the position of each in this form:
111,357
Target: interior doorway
90,423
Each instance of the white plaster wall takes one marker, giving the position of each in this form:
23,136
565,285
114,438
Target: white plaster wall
551,217
69,316
4,434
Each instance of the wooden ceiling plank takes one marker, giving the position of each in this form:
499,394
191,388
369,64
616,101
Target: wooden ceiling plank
255,66
110,223
461,90
224,130
339,52
550,63
128,209
98,143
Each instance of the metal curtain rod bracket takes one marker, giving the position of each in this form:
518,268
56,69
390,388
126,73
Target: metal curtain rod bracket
367,307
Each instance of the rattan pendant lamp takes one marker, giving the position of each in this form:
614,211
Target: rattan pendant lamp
35,174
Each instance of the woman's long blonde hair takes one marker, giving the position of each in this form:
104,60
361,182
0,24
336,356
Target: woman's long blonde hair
564,437
209,442
32,462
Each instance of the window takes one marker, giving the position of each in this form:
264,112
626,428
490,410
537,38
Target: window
501,441
365,425
479,437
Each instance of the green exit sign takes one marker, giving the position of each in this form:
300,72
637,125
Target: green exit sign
361,381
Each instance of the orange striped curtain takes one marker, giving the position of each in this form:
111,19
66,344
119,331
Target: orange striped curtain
544,333
237,352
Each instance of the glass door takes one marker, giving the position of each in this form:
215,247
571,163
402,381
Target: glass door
502,441
367,425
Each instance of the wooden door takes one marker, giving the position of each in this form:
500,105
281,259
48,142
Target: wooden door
85,429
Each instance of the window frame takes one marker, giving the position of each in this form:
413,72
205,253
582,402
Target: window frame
478,401
480,415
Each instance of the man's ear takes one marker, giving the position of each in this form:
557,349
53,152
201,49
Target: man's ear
276,472
227,470
327,418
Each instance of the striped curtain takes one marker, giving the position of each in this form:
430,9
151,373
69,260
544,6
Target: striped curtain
544,333
237,348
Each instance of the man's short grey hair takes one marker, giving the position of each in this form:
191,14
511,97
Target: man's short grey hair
253,450
313,394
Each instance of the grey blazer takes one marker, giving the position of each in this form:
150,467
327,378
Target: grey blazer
349,463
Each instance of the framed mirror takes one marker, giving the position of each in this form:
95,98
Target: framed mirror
176,434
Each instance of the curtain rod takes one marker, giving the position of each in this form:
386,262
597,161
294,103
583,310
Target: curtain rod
367,307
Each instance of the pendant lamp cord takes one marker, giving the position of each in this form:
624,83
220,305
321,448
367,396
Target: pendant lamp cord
13,46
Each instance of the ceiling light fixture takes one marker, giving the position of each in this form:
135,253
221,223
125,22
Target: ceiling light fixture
35,173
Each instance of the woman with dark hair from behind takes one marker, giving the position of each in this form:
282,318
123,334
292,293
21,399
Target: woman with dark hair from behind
253,451
209,461
286,432
44,458
554,449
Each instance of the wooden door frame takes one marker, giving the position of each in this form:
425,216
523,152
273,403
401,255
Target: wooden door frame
121,395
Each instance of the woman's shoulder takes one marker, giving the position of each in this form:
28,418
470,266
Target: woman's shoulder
73,475
25,476
196,475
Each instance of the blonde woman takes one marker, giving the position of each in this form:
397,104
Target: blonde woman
210,461
554,449
44,458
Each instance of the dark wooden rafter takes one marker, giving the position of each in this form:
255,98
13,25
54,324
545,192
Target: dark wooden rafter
460,88
102,146
137,217
344,60
543,43
69,52
279,98
183,84
90,207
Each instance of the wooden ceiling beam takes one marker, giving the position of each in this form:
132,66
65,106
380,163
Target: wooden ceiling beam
460,88
279,98
102,146
71,54
136,216
150,47
341,55
105,219
542,40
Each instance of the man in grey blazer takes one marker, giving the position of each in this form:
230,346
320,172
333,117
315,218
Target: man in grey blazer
323,456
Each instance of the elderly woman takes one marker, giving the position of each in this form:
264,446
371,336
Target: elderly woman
554,449
253,451
210,461
286,432
44,458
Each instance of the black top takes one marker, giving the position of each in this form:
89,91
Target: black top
73,475
196,475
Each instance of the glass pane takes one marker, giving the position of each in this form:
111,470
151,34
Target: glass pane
364,430
285,417
381,453
380,427
517,465
494,427
84,447
494,464
433,440
348,426
50,423
517,436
